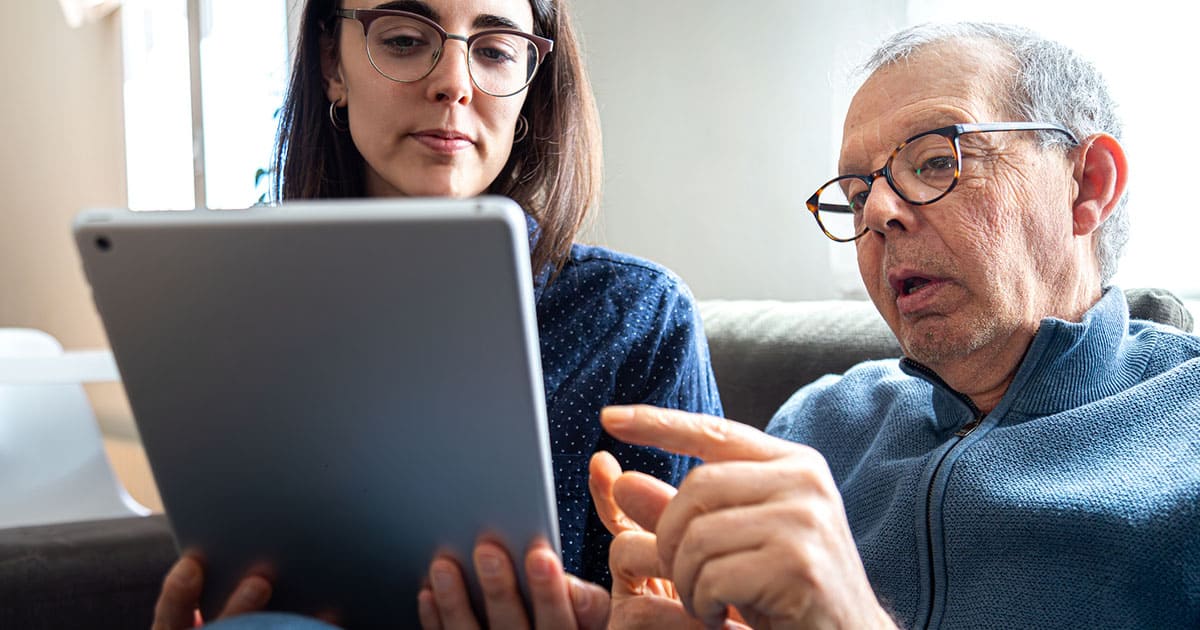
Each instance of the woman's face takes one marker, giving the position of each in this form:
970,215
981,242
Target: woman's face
441,135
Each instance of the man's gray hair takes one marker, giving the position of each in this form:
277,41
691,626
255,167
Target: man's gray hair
1052,84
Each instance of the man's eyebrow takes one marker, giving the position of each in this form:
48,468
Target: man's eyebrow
854,169
412,6
917,126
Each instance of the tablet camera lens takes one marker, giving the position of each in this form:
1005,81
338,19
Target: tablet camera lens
103,244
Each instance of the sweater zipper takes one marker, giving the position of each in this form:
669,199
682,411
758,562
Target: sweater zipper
962,432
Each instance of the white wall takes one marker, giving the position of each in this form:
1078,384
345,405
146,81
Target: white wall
63,150
719,122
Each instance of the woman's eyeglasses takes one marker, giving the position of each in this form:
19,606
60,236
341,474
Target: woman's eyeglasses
406,47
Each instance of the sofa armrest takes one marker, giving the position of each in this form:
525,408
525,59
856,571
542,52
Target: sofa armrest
94,574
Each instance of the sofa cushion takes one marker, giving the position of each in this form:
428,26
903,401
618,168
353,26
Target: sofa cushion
1159,305
763,351
93,574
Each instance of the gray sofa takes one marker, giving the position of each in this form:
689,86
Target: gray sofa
106,574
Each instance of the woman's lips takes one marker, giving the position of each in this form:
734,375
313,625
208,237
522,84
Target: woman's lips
443,142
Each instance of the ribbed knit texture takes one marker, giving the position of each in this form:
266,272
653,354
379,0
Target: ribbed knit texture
1076,503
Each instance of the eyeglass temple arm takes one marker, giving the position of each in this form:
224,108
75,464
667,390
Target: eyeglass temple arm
1016,126
835,207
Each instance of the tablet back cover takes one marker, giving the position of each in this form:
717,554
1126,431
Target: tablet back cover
330,392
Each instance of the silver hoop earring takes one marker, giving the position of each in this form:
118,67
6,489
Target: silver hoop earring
333,119
522,129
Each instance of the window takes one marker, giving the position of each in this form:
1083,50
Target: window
243,72
158,138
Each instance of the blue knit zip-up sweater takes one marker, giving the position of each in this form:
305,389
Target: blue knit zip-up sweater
1074,503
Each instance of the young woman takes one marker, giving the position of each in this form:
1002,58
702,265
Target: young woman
467,97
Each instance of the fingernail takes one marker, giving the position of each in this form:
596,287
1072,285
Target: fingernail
542,567
618,416
254,593
189,574
442,579
489,563
579,595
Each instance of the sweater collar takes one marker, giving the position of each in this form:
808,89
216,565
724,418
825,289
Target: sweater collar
1072,364
1067,365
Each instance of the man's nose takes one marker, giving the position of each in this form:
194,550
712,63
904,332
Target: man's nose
885,211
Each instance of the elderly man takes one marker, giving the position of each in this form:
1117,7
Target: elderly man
1033,461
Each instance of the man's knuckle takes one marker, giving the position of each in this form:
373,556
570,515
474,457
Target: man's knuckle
661,417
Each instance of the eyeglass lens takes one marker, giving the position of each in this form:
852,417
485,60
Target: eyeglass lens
921,171
404,49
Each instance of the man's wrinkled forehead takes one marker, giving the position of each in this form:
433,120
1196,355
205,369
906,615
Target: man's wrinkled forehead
941,84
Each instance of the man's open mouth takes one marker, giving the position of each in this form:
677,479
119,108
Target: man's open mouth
914,284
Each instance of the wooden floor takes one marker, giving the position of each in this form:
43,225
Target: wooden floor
129,462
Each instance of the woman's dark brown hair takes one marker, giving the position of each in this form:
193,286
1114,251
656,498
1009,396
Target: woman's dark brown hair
554,173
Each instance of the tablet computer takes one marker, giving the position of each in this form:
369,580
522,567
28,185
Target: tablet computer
331,392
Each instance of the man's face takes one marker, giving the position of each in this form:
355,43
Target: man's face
971,275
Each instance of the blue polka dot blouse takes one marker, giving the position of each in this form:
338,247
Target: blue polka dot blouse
614,329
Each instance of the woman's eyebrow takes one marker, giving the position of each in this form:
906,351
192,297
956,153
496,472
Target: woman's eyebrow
412,6
487,20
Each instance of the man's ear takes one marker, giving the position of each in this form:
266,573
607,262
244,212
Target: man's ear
1100,173
331,70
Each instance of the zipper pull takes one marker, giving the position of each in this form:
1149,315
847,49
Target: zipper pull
967,428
